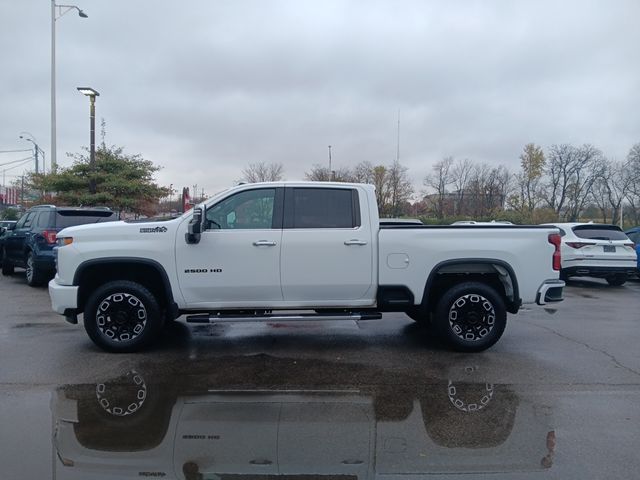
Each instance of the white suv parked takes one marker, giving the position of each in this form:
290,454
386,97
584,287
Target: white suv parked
596,250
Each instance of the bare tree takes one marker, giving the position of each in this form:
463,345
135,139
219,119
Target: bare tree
262,172
400,188
528,181
572,172
460,177
633,192
363,172
588,166
319,173
611,188
439,182
380,179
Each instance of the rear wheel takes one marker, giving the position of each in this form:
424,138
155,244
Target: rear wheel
122,316
33,274
7,268
471,316
617,280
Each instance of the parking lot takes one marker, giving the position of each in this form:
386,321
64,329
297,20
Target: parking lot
558,396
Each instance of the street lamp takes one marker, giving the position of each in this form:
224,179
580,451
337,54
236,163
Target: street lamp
92,94
37,149
62,10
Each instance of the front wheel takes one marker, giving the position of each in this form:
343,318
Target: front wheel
471,316
122,316
33,274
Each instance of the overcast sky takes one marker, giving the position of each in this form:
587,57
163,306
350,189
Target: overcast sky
203,88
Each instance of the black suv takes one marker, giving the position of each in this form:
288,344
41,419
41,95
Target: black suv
29,243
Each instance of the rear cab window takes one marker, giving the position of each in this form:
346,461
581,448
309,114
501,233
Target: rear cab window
599,232
308,207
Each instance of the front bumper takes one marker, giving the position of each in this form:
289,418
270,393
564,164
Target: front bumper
550,291
64,298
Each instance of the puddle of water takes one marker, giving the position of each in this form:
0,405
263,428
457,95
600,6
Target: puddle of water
25,435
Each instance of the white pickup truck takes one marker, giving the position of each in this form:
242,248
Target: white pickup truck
256,251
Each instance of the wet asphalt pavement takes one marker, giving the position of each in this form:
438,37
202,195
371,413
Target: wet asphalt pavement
557,397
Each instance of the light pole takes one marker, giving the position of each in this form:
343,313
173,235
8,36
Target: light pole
62,10
92,94
36,149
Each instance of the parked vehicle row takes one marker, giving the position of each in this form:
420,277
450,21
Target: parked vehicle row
29,243
333,258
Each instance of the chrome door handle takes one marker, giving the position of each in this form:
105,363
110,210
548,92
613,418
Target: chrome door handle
355,242
264,243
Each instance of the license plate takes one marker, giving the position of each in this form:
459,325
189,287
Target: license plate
609,248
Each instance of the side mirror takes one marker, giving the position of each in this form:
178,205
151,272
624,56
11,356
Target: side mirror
194,229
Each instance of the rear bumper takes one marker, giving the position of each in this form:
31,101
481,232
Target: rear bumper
45,261
599,272
550,291
64,298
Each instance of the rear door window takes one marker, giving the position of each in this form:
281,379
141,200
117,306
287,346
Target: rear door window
43,219
323,208
69,218
595,232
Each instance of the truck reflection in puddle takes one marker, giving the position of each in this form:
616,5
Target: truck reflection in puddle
199,427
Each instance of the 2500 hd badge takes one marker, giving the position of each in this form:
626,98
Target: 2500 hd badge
203,270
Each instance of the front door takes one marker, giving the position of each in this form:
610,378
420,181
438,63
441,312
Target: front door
237,261
15,239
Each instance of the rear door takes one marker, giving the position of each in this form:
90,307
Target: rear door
327,248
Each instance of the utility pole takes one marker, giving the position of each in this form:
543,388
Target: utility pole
398,142
621,214
22,192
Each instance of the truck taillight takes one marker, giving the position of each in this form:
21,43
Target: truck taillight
50,236
555,239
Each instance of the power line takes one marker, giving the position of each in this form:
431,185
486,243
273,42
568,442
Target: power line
16,161
12,151
16,166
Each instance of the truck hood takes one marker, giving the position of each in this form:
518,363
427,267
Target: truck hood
121,229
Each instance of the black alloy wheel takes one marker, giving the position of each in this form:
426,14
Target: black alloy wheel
471,316
122,316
